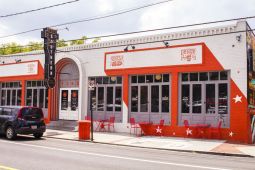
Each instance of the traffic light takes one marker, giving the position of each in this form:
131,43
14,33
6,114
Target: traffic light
50,37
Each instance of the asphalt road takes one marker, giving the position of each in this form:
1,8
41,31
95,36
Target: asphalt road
26,153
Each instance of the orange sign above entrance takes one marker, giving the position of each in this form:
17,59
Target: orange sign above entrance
170,56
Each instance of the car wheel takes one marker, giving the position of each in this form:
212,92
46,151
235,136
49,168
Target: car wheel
10,133
38,135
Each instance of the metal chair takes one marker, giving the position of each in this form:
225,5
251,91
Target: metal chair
134,126
110,123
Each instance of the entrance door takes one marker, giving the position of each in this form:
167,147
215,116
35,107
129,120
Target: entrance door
68,108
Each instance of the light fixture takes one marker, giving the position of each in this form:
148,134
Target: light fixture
126,49
17,60
238,38
113,78
158,76
166,43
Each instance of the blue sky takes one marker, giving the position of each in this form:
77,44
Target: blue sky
177,12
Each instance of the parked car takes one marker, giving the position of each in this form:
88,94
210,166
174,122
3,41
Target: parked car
16,120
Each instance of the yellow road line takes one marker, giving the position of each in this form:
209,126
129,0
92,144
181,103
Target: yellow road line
6,168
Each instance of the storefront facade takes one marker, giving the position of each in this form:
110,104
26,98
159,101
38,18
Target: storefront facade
201,77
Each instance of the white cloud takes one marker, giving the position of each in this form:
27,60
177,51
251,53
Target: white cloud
105,6
177,12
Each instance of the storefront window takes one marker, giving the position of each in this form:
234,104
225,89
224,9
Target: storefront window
154,98
165,98
10,93
109,103
29,97
150,97
36,94
118,99
185,98
208,93
100,105
3,97
14,97
196,98
134,99
210,98
106,97
223,98
144,99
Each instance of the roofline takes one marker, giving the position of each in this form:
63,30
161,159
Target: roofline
146,38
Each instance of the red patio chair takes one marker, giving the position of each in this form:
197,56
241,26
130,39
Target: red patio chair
87,118
186,123
134,126
110,123
161,122
216,130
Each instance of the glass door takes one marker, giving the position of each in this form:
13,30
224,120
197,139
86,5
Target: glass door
68,109
197,98
210,100
144,99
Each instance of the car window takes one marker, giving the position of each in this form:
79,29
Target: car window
15,111
7,111
32,112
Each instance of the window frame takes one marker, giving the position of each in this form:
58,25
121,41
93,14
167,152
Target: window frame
5,86
203,96
149,86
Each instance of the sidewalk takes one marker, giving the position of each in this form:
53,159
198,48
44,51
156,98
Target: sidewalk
165,143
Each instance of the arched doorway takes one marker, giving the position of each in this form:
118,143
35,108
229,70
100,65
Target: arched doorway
69,92
66,92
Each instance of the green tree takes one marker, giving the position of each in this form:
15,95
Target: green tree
79,42
61,43
13,48
96,40
32,46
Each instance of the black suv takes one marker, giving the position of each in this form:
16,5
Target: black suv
21,120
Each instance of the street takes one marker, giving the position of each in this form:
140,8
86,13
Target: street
26,153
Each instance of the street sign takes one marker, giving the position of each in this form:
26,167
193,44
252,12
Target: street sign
91,84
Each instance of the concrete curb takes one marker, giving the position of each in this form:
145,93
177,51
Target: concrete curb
176,150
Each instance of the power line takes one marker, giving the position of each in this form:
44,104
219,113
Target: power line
38,9
142,43
174,39
149,30
92,18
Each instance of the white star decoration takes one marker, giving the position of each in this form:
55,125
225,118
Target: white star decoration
231,134
238,99
173,133
158,130
188,131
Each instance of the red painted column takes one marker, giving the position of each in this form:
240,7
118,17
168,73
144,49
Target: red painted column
125,99
50,106
174,99
23,92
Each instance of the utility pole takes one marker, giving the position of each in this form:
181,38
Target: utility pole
91,85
